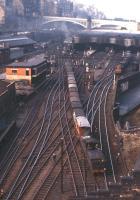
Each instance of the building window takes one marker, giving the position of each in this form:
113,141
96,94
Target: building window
14,71
27,72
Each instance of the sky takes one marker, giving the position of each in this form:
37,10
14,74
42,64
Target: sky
128,9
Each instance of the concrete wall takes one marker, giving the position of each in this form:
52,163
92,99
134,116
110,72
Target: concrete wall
7,99
4,56
129,82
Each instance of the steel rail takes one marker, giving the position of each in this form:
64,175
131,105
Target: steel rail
99,103
39,154
11,152
79,168
61,123
102,99
106,131
14,157
96,98
40,150
51,185
29,157
97,85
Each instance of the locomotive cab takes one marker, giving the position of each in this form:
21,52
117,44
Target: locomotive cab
97,159
90,142
82,125
95,154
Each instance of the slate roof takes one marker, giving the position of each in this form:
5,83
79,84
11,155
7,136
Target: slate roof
16,41
31,62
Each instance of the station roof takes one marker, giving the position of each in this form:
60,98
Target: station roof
31,62
111,33
15,41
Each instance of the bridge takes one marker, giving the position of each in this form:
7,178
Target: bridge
130,25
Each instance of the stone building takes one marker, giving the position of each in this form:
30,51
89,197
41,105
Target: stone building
65,8
57,8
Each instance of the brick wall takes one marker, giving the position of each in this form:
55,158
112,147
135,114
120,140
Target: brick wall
20,71
21,74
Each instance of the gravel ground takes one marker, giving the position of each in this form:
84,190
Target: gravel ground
133,118
131,149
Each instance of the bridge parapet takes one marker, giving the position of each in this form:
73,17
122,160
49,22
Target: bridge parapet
130,25
78,20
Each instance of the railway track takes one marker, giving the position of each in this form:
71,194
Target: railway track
97,92
68,144
32,157
31,161
46,144
50,148
30,123
98,114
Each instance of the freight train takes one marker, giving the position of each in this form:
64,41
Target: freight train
82,124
